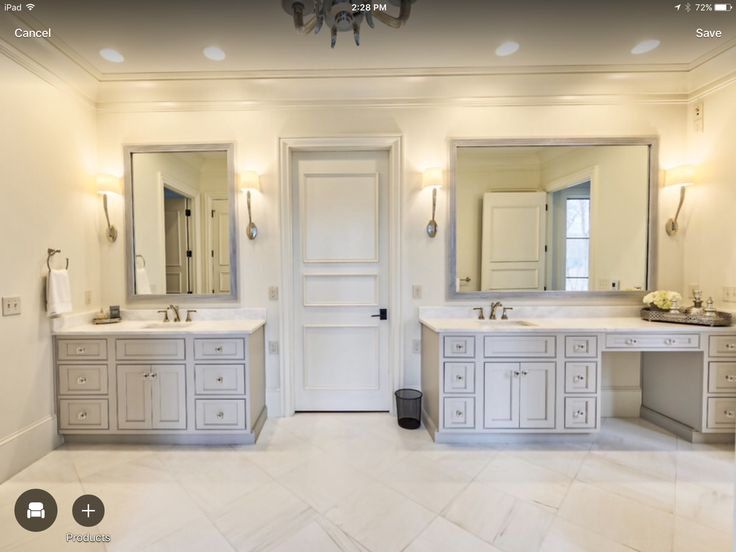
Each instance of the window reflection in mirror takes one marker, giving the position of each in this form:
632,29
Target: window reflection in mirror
181,222
556,218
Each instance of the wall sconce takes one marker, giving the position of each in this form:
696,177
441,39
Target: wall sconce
682,176
108,184
250,181
432,178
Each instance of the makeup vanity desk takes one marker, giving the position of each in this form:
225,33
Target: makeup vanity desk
483,379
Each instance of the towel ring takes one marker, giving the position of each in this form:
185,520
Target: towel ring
51,253
142,258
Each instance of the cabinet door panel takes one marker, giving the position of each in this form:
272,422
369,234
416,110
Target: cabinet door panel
169,397
134,397
501,395
537,395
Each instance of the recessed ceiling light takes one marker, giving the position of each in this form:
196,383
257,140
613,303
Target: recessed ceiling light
214,53
507,48
645,46
112,55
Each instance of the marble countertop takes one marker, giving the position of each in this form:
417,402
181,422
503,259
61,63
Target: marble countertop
154,328
602,324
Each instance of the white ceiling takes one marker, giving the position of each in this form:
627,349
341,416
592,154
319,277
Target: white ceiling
168,36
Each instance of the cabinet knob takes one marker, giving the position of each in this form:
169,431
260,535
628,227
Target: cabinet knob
458,413
578,378
730,378
81,350
729,413
459,377
218,349
631,341
578,414
146,375
730,346
154,375
516,372
220,415
579,348
524,373
669,341
220,379
81,380
82,415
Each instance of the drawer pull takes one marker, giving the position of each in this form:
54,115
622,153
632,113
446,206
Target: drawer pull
579,348
81,350
458,413
524,373
730,378
730,346
218,349
578,378
459,377
154,375
221,415
220,379
146,375
517,373
81,380
729,413
669,341
578,414
631,341
82,415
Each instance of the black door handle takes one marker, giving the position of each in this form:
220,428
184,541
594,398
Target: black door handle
382,314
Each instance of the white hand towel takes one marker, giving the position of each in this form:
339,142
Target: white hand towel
142,284
58,293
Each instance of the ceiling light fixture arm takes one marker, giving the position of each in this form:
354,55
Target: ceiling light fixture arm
396,22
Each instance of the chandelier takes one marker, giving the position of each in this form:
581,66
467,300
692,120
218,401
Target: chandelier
342,16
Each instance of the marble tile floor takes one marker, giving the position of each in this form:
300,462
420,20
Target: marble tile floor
358,482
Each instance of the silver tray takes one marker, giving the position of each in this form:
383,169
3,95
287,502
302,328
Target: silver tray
653,315
106,320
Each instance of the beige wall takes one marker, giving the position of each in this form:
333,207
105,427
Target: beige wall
707,222
425,133
47,155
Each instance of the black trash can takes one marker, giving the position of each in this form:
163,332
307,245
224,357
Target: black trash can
409,408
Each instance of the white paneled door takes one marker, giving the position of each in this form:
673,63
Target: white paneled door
341,280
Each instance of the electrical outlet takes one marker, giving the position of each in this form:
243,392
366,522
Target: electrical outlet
88,297
416,291
273,347
698,116
416,346
273,293
609,285
729,294
11,306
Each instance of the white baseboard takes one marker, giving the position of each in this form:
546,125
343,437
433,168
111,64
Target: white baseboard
22,448
620,402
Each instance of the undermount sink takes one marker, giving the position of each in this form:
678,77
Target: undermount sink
167,325
504,323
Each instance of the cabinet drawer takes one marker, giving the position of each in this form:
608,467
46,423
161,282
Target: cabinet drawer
459,413
214,349
721,413
459,346
215,414
219,379
459,377
580,412
581,377
581,346
82,379
722,345
83,414
722,377
652,341
519,346
149,349
81,349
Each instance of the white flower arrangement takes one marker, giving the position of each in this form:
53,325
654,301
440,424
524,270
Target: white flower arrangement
662,299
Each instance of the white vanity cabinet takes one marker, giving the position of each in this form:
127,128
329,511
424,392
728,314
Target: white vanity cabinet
545,377
173,388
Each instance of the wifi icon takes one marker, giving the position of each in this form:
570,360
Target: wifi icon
30,7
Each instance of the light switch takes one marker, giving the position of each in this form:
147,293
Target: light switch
273,293
11,306
273,347
416,291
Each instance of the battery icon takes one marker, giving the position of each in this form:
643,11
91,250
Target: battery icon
722,7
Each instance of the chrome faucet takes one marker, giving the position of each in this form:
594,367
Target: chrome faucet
175,308
494,307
